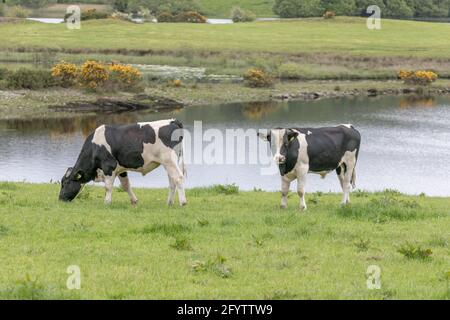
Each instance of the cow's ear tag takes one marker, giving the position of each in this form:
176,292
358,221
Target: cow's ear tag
78,176
292,138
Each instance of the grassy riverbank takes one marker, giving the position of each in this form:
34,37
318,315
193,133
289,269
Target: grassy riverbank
26,104
224,244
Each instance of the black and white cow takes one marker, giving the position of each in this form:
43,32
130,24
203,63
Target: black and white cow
111,151
298,151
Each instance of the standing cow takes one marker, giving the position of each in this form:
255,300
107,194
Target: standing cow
111,151
298,151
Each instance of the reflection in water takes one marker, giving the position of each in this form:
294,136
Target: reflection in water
258,110
405,148
417,101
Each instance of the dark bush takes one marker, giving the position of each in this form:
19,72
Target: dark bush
298,8
190,17
240,15
120,5
362,5
165,17
29,79
3,73
397,9
340,7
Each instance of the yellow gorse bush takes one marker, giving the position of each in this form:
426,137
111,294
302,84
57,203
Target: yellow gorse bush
421,77
66,73
257,78
125,74
93,74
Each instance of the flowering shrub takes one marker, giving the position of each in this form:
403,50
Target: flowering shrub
421,77
65,73
329,15
257,78
93,74
124,75
176,83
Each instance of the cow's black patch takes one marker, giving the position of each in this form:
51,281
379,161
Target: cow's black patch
127,143
327,146
171,134
289,149
124,174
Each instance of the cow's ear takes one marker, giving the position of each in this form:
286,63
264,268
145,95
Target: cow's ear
264,137
292,135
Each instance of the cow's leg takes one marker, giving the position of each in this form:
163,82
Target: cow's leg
301,181
345,177
125,182
176,175
285,184
172,190
109,185
302,172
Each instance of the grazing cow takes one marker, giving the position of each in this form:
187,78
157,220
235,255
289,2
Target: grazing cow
298,151
111,151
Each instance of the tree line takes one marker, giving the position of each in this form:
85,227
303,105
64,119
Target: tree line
389,8
283,8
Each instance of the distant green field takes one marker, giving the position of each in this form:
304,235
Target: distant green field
222,8
342,36
223,244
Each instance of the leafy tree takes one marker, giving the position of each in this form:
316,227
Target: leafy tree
362,5
397,9
298,8
340,7
430,8
121,5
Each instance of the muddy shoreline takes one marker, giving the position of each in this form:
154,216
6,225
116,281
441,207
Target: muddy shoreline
60,102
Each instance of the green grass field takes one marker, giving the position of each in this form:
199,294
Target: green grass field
306,49
224,244
343,36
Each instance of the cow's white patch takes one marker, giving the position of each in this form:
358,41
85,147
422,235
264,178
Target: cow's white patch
99,138
100,177
309,132
156,124
345,178
348,125
276,141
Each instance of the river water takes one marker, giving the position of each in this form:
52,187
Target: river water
405,143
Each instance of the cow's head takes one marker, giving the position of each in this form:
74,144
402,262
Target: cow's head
279,140
70,185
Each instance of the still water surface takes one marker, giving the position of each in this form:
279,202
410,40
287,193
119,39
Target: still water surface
405,143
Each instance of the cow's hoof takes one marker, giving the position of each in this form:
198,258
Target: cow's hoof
183,203
283,206
303,208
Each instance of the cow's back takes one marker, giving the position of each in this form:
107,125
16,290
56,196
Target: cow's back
129,144
327,146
